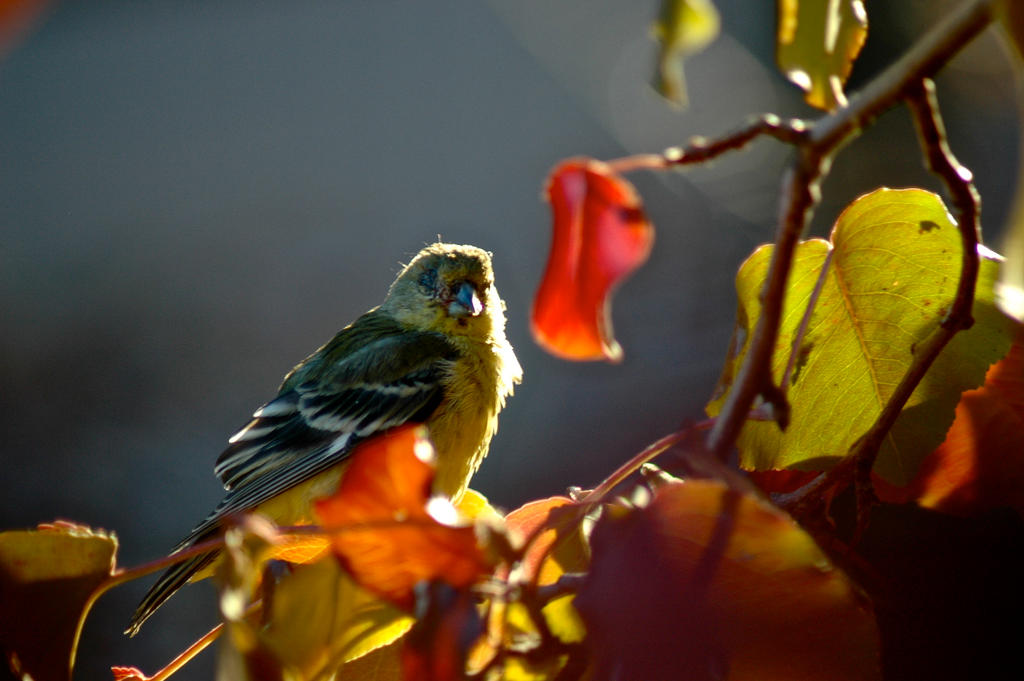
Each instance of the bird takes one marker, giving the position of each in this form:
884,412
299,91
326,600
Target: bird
434,352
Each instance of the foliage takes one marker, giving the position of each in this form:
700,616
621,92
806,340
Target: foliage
856,309
973,470
48,580
876,361
817,44
684,27
602,235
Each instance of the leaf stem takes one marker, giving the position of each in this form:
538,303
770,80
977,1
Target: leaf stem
700,149
186,655
128,574
564,524
598,494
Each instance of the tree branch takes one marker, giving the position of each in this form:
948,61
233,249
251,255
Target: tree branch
800,195
857,465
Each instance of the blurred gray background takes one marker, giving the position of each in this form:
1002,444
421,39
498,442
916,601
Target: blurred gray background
195,195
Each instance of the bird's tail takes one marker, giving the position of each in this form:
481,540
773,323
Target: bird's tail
170,581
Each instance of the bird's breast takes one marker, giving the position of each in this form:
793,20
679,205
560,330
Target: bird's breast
463,424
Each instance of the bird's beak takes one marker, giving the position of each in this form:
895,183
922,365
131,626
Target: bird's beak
465,302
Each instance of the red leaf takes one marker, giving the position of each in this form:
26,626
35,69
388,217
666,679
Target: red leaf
389,533
980,465
784,481
128,674
600,236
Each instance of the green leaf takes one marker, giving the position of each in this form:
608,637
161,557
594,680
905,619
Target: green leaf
816,45
893,277
320,618
684,27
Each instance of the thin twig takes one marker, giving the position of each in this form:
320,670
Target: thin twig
564,525
186,655
800,194
568,583
594,497
700,149
649,452
122,575
924,59
959,181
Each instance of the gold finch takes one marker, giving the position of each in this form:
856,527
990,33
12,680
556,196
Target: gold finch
433,352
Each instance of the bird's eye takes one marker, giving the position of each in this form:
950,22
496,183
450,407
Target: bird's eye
428,281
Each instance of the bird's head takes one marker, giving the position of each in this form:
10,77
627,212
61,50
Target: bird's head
447,288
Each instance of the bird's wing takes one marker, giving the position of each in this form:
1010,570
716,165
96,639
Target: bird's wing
332,401
317,418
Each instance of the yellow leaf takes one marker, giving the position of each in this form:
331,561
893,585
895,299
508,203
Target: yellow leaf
684,27
816,44
892,278
48,580
313,619
383,664
320,618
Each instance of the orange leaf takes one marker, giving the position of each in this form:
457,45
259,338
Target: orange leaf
558,546
600,235
389,533
708,583
528,519
980,465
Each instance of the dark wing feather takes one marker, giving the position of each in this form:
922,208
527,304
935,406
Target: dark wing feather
336,398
